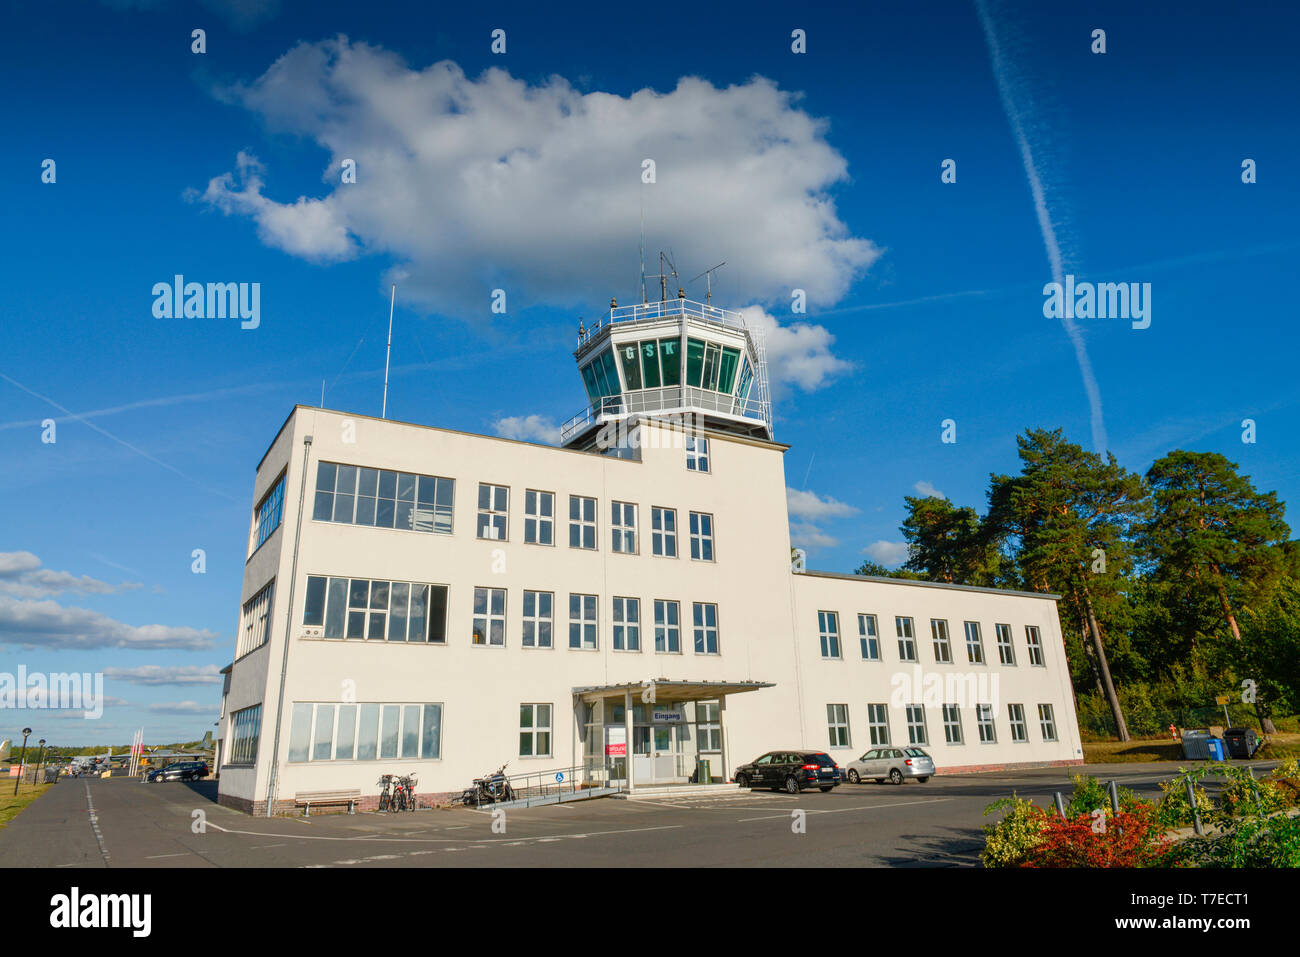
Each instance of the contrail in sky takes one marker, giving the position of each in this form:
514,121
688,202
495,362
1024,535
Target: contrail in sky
1018,106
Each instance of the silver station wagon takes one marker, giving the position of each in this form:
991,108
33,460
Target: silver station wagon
897,764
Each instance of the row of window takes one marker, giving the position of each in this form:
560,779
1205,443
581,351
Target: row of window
828,631
352,495
837,720
364,732
370,610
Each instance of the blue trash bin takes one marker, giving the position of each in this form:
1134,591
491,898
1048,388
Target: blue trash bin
1216,749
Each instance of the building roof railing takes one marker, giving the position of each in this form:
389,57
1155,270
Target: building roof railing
664,401
651,312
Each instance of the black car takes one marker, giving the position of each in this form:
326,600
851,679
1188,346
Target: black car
179,771
791,770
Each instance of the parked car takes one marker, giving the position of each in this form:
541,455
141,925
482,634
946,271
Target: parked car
791,770
179,771
896,764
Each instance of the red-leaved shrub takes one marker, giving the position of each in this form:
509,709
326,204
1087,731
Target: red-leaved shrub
1132,838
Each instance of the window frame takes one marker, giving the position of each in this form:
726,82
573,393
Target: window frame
262,526
488,616
977,644
669,629
661,537
907,651
878,724
828,634
871,640
537,520
623,534
1047,722
583,622
536,729
834,711
700,632
583,525
1007,648
625,632
536,620
1023,737
1034,645
911,712
942,645
952,719
694,454
700,538
491,513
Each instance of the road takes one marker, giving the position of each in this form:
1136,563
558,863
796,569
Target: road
119,822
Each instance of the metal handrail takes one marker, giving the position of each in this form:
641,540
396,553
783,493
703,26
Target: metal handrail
665,399
667,309
574,778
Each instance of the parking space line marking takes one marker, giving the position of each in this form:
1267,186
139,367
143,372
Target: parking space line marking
435,840
864,807
154,857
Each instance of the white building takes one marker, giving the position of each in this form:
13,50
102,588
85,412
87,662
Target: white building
424,600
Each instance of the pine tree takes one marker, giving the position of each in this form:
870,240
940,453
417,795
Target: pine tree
948,543
1068,516
1212,532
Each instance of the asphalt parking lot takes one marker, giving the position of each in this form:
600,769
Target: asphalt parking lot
118,822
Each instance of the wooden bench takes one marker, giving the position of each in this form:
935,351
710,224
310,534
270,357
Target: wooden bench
348,796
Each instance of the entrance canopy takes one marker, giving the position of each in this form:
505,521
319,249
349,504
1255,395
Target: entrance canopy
640,733
672,689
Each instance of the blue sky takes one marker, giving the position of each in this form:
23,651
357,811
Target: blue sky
521,171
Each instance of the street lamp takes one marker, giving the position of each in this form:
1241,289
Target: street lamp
22,760
40,760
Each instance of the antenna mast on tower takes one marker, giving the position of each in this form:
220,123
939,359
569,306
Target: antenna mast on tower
708,281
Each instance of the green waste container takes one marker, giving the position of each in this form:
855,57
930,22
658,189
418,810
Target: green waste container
702,773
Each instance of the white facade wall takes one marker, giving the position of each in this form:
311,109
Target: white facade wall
767,616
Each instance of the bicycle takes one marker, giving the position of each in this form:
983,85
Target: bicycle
406,788
386,796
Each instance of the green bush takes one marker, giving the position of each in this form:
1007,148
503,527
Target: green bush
1272,842
1091,793
1173,809
1009,842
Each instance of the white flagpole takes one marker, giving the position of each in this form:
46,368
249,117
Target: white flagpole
393,299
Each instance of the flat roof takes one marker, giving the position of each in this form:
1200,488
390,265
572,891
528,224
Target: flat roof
501,438
924,584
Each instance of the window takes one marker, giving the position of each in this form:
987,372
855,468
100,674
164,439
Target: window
916,733
383,499
702,536
376,610
364,732
667,627
489,616
582,621
984,718
708,725
257,621
974,643
534,730
623,525
952,724
697,453
582,522
627,624
868,638
837,718
663,531
267,518
942,646
1019,731
906,639
705,620
493,509
828,631
1034,640
1047,722
878,723
1006,652
245,726
538,619
539,518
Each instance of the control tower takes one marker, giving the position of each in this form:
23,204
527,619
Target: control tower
676,358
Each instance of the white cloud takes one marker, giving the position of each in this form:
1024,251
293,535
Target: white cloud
887,553
182,707
22,576
47,624
805,535
533,428
477,183
166,675
926,490
798,354
811,506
